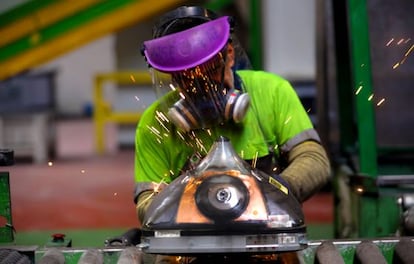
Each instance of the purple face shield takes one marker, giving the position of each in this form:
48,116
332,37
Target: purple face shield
191,65
189,48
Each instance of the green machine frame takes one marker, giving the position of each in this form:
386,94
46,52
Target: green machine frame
376,214
6,227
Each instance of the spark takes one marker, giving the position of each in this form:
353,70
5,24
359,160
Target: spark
162,116
274,169
50,164
200,144
400,41
359,190
381,101
358,90
154,131
409,51
115,193
162,124
389,42
182,95
82,171
172,87
288,120
370,97
309,110
242,154
180,135
254,161
136,98
157,186
132,77
407,40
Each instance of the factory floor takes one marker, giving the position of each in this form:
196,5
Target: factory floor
89,197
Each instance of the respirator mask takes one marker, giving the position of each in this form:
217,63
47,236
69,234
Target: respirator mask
189,72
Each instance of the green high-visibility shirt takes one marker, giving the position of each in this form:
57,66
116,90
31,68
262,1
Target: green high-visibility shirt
274,117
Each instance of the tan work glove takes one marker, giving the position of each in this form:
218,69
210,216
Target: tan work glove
308,169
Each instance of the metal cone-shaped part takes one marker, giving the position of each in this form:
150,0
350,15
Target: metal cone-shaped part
222,156
224,205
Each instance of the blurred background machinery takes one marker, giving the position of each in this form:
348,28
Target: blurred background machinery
373,157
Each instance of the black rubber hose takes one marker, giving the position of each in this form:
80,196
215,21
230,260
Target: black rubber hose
91,256
404,252
369,253
327,253
131,255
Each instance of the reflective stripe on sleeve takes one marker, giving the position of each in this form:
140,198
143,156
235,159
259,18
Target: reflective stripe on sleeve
309,134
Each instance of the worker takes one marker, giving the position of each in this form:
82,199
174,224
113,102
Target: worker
206,90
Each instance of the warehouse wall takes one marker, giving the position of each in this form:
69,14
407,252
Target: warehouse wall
289,38
75,72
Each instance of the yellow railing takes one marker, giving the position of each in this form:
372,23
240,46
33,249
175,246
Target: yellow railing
103,112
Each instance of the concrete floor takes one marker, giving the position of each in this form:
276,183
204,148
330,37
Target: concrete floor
81,190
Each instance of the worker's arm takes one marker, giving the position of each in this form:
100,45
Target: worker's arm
308,169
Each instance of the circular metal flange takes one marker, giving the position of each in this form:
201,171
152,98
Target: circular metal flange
222,197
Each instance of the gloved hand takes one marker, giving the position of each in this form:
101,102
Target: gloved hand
308,169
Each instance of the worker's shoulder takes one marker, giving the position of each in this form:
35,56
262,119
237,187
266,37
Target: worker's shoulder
260,74
148,116
254,78
160,104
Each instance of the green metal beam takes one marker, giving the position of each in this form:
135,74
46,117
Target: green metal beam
39,18
60,28
255,35
362,86
6,225
216,5
23,10
345,97
377,216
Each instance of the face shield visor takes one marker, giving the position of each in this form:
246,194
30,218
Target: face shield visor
190,66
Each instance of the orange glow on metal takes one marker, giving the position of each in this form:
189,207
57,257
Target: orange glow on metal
189,213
